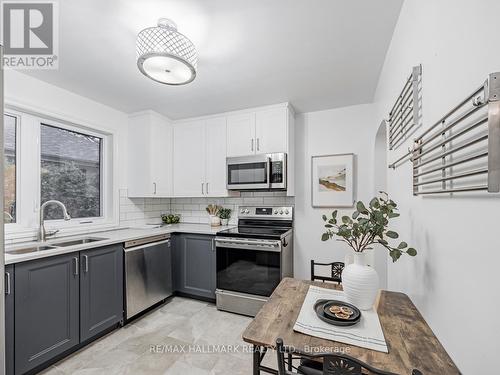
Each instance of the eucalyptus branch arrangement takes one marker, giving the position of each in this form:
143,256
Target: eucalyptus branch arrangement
368,226
213,209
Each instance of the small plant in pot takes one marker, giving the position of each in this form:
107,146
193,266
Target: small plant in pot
213,210
367,226
170,219
224,215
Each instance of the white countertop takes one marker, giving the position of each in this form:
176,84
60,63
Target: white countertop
112,236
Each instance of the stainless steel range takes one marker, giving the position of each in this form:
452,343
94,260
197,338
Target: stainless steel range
253,258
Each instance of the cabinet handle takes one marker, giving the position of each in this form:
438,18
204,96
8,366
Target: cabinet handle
207,187
7,283
154,188
202,189
86,265
252,144
258,144
213,244
76,266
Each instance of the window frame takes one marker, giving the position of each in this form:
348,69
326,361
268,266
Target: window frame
28,173
17,116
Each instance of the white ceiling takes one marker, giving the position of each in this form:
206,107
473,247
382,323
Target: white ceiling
316,54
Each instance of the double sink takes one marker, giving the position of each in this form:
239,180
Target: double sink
54,245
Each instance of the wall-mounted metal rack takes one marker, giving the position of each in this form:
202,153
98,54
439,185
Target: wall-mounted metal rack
404,113
461,151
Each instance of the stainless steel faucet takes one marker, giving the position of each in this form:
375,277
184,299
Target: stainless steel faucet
42,234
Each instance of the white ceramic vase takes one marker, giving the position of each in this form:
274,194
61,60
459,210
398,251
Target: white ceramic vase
214,220
360,282
224,221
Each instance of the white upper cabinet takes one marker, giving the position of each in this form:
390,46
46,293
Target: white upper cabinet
200,158
149,156
161,163
263,131
216,157
189,159
241,134
271,133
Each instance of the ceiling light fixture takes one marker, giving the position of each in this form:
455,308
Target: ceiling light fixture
165,55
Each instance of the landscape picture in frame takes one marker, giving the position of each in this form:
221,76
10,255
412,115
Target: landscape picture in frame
332,180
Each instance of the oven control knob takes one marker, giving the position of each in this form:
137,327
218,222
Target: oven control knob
242,211
247,212
287,212
281,212
276,212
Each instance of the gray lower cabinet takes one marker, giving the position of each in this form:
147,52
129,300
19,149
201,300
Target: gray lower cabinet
46,321
59,302
194,265
101,290
9,319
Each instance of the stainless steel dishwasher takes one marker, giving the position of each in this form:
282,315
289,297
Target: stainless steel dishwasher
148,273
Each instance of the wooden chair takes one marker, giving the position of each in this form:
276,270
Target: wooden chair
332,364
336,271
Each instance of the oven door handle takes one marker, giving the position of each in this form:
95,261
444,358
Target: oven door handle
249,245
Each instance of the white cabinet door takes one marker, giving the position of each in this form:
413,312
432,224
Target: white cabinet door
161,160
215,182
189,159
241,135
140,183
271,131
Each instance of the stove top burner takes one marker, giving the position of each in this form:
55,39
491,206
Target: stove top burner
254,232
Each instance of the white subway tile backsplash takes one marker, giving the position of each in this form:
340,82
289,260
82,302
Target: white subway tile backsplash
253,200
275,200
198,200
263,194
234,200
141,211
135,215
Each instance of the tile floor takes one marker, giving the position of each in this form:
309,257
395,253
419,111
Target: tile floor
177,325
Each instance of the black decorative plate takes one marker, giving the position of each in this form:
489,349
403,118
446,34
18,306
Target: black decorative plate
321,307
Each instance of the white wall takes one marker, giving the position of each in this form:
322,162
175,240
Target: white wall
457,237
336,131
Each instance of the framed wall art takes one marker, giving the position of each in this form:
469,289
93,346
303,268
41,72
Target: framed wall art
332,180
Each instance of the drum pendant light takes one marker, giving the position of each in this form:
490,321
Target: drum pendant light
165,55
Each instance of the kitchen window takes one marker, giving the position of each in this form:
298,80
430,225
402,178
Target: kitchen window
70,172
55,159
10,171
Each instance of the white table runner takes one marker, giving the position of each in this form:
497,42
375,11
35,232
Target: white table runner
367,333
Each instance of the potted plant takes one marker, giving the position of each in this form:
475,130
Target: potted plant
366,226
213,210
224,215
170,219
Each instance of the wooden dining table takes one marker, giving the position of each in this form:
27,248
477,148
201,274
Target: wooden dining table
411,342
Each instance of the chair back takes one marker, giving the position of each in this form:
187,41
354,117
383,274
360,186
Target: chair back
336,269
332,364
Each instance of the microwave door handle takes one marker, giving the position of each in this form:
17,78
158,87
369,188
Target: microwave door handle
269,173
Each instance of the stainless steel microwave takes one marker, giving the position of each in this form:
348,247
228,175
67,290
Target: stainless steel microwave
257,172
